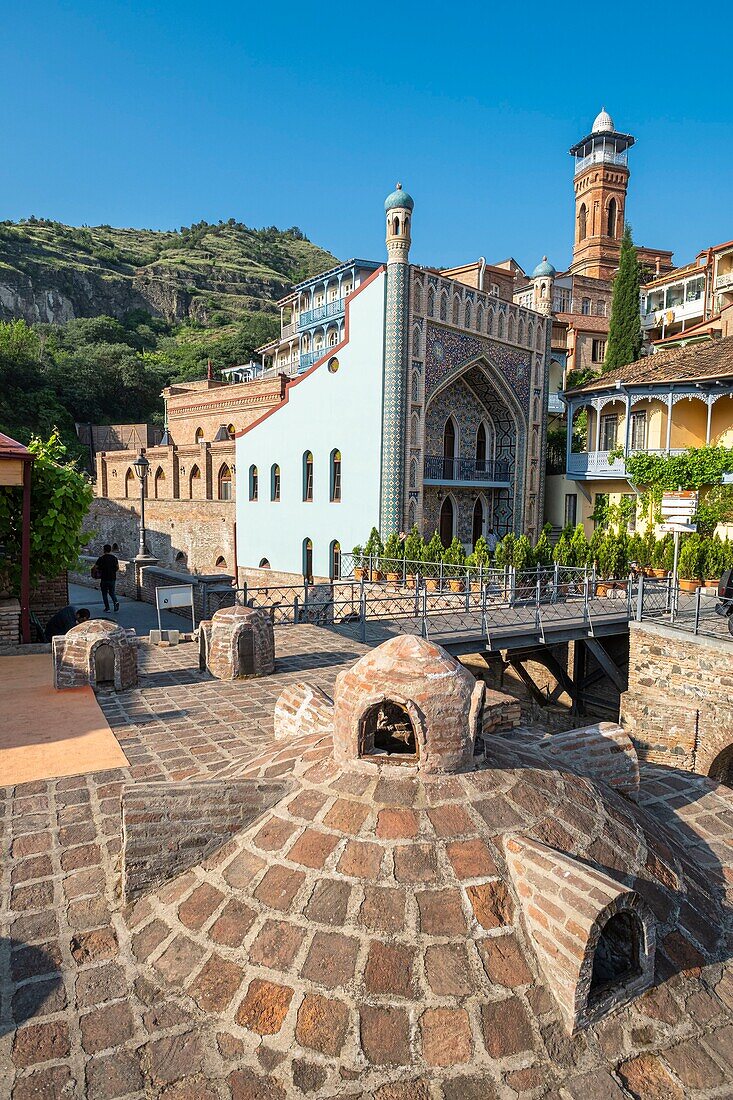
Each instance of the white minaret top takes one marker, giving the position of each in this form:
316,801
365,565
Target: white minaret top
398,208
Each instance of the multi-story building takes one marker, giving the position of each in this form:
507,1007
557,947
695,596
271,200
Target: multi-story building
662,404
684,305
429,409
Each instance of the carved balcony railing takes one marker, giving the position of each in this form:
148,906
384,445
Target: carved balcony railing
466,470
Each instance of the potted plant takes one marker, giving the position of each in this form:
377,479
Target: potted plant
432,555
578,548
543,549
659,556
523,562
413,554
689,566
606,561
359,567
374,551
714,561
480,560
455,561
391,563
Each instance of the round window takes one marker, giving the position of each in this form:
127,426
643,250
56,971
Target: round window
333,365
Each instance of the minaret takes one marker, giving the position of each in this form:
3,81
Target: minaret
543,278
601,182
398,209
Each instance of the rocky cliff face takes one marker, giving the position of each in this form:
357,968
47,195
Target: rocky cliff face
51,273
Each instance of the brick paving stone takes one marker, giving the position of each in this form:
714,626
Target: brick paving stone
503,960
416,1089
361,859
199,906
446,1036
245,867
216,983
329,901
168,1059
441,913
106,1027
478,1087
471,859
308,1076
646,1079
88,913
506,1027
94,946
233,923
313,848
279,886
264,1007
34,1043
322,1024
346,815
693,1065
276,944
52,1083
397,824
448,970
450,820
385,1035
331,959
38,999
246,1085
383,908
594,1086
150,937
113,1075
179,960
190,1088
491,903
389,970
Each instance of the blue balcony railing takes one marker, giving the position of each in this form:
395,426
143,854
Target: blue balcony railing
308,358
441,470
321,313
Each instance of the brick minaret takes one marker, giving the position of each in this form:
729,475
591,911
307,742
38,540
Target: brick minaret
601,181
398,208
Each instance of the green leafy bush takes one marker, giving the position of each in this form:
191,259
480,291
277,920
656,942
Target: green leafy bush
714,559
393,550
414,545
433,551
481,555
578,547
542,552
504,553
691,564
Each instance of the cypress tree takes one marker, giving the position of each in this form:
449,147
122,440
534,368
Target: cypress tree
624,333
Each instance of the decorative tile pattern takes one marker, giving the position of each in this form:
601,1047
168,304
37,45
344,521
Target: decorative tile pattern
448,351
394,411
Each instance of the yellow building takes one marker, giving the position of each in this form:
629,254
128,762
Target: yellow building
660,405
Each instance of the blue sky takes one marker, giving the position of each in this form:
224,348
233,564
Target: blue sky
160,114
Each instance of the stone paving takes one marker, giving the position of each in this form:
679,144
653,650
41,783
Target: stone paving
81,1017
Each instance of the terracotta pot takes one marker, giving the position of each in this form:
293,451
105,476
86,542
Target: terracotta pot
712,583
658,572
432,584
689,585
376,575
394,578
360,574
410,580
457,586
475,587
603,589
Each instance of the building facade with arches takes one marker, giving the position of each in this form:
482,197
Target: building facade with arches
430,410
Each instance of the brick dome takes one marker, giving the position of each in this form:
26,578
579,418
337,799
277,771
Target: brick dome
377,930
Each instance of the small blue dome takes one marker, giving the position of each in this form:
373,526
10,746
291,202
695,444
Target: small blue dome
544,270
398,198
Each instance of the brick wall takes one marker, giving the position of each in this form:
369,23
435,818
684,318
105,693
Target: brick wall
678,709
9,622
50,596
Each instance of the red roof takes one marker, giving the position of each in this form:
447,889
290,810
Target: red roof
10,448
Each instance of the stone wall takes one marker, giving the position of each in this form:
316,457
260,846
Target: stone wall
210,590
50,596
9,622
678,709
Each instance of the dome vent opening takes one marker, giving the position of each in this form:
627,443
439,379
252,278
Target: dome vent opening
616,960
386,730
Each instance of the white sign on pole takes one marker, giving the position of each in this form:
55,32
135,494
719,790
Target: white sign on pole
728,479
673,525
679,505
175,595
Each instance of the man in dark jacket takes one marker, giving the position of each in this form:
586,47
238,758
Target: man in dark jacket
106,567
63,620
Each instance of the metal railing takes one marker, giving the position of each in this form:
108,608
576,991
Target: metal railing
308,358
438,468
600,462
322,313
700,611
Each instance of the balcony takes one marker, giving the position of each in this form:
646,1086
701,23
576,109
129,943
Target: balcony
465,471
288,330
599,464
600,156
555,404
308,358
724,282
322,313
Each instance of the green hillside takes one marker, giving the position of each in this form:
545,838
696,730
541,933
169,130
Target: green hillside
95,321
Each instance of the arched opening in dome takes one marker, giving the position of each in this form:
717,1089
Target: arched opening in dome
386,730
246,652
104,665
617,957
722,767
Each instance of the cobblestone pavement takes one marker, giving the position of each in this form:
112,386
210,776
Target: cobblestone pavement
78,1019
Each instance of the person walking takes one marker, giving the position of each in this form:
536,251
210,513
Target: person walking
105,570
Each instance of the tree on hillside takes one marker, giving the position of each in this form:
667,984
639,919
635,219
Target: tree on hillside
624,333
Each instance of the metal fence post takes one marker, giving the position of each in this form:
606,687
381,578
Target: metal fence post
440,576
555,581
640,599
698,594
363,614
296,605
425,613
417,595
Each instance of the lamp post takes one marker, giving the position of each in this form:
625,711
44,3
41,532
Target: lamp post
142,469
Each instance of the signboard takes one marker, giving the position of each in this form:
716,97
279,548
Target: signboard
175,595
676,525
728,479
679,506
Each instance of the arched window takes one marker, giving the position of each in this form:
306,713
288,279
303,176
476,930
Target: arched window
254,483
199,435
181,560
467,316
449,448
413,473
416,340
307,559
264,563
334,556
411,514
582,222
500,327
530,334
335,475
396,226
456,305
481,449
129,483
225,483
415,388
333,338
220,563
431,302
418,296
478,521
480,317
446,522
308,475
159,483
520,331
490,322
275,482
510,332
231,431
612,217
535,408
444,306
193,479
415,428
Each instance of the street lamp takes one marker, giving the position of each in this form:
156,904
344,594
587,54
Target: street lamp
142,469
